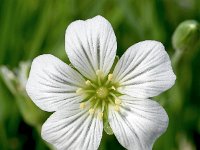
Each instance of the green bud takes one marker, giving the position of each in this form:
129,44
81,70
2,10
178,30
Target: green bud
16,83
186,36
9,78
107,128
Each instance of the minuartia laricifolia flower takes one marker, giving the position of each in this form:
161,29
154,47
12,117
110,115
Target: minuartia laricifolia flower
100,94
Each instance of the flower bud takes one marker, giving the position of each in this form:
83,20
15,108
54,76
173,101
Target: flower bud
16,82
107,128
186,36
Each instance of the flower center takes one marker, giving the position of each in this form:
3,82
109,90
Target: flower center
99,95
102,92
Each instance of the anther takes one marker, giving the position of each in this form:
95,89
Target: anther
110,77
100,115
88,82
98,72
91,111
116,108
118,101
78,91
113,88
82,105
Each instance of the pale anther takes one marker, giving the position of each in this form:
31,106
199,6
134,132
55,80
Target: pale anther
78,91
116,108
100,115
88,82
110,76
118,101
98,72
82,105
91,111
113,88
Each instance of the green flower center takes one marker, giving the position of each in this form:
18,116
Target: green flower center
99,95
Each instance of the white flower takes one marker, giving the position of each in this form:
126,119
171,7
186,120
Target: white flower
98,93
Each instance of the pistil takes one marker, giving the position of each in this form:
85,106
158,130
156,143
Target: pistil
102,92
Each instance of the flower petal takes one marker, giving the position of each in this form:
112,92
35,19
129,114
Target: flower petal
91,45
73,129
52,84
144,70
138,123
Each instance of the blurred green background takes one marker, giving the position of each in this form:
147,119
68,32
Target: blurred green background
29,28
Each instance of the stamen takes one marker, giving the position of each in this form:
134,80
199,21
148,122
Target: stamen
100,115
99,76
82,105
94,86
116,108
112,88
79,90
93,107
99,73
88,100
92,98
97,103
110,77
103,105
110,100
118,101
113,95
88,82
89,91
91,111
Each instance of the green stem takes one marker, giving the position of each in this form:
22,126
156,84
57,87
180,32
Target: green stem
176,58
